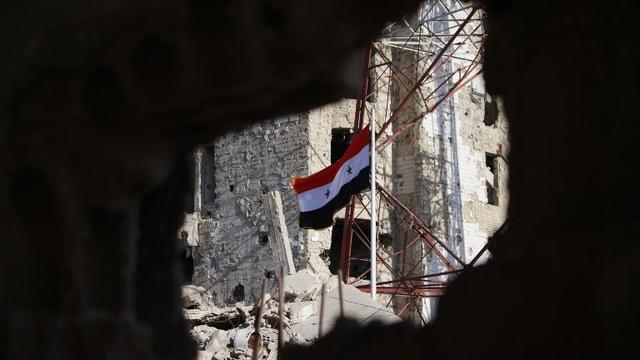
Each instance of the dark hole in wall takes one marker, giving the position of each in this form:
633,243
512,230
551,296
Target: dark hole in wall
385,240
238,293
358,250
269,274
264,239
491,161
490,111
232,187
325,255
208,174
340,140
186,262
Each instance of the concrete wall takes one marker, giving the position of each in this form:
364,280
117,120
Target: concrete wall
262,157
233,249
476,140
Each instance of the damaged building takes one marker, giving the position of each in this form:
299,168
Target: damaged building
445,161
105,102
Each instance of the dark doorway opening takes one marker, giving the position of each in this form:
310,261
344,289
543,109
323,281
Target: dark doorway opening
493,196
491,112
340,141
359,252
186,261
238,293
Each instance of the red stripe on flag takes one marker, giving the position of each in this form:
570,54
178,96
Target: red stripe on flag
326,175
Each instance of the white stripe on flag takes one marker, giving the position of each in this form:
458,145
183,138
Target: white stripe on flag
318,197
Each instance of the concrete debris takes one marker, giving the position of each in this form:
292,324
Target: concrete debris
300,311
223,334
188,232
196,297
219,340
226,320
204,355
357,306
202,334
305,285
194,315
228,333
279,235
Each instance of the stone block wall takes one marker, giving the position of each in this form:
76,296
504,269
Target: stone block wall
476,140
234,253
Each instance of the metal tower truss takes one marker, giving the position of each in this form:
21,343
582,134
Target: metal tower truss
445,40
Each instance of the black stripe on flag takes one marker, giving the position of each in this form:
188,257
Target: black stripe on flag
322,218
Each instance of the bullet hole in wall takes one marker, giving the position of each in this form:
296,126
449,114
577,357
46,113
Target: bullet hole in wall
264,239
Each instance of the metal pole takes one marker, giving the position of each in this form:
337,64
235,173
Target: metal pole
373,240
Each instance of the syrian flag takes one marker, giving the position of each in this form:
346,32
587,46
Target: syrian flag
324,193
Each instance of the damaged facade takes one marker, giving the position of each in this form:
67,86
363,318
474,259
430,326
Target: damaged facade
449,169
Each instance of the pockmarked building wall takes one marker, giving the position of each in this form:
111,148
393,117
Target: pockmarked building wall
233,173
484,171
234,252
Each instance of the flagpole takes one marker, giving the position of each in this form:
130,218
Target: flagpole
372,147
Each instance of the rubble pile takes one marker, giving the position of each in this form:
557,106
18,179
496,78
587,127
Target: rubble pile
229,333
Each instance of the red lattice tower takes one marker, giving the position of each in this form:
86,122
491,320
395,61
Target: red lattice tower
443,32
